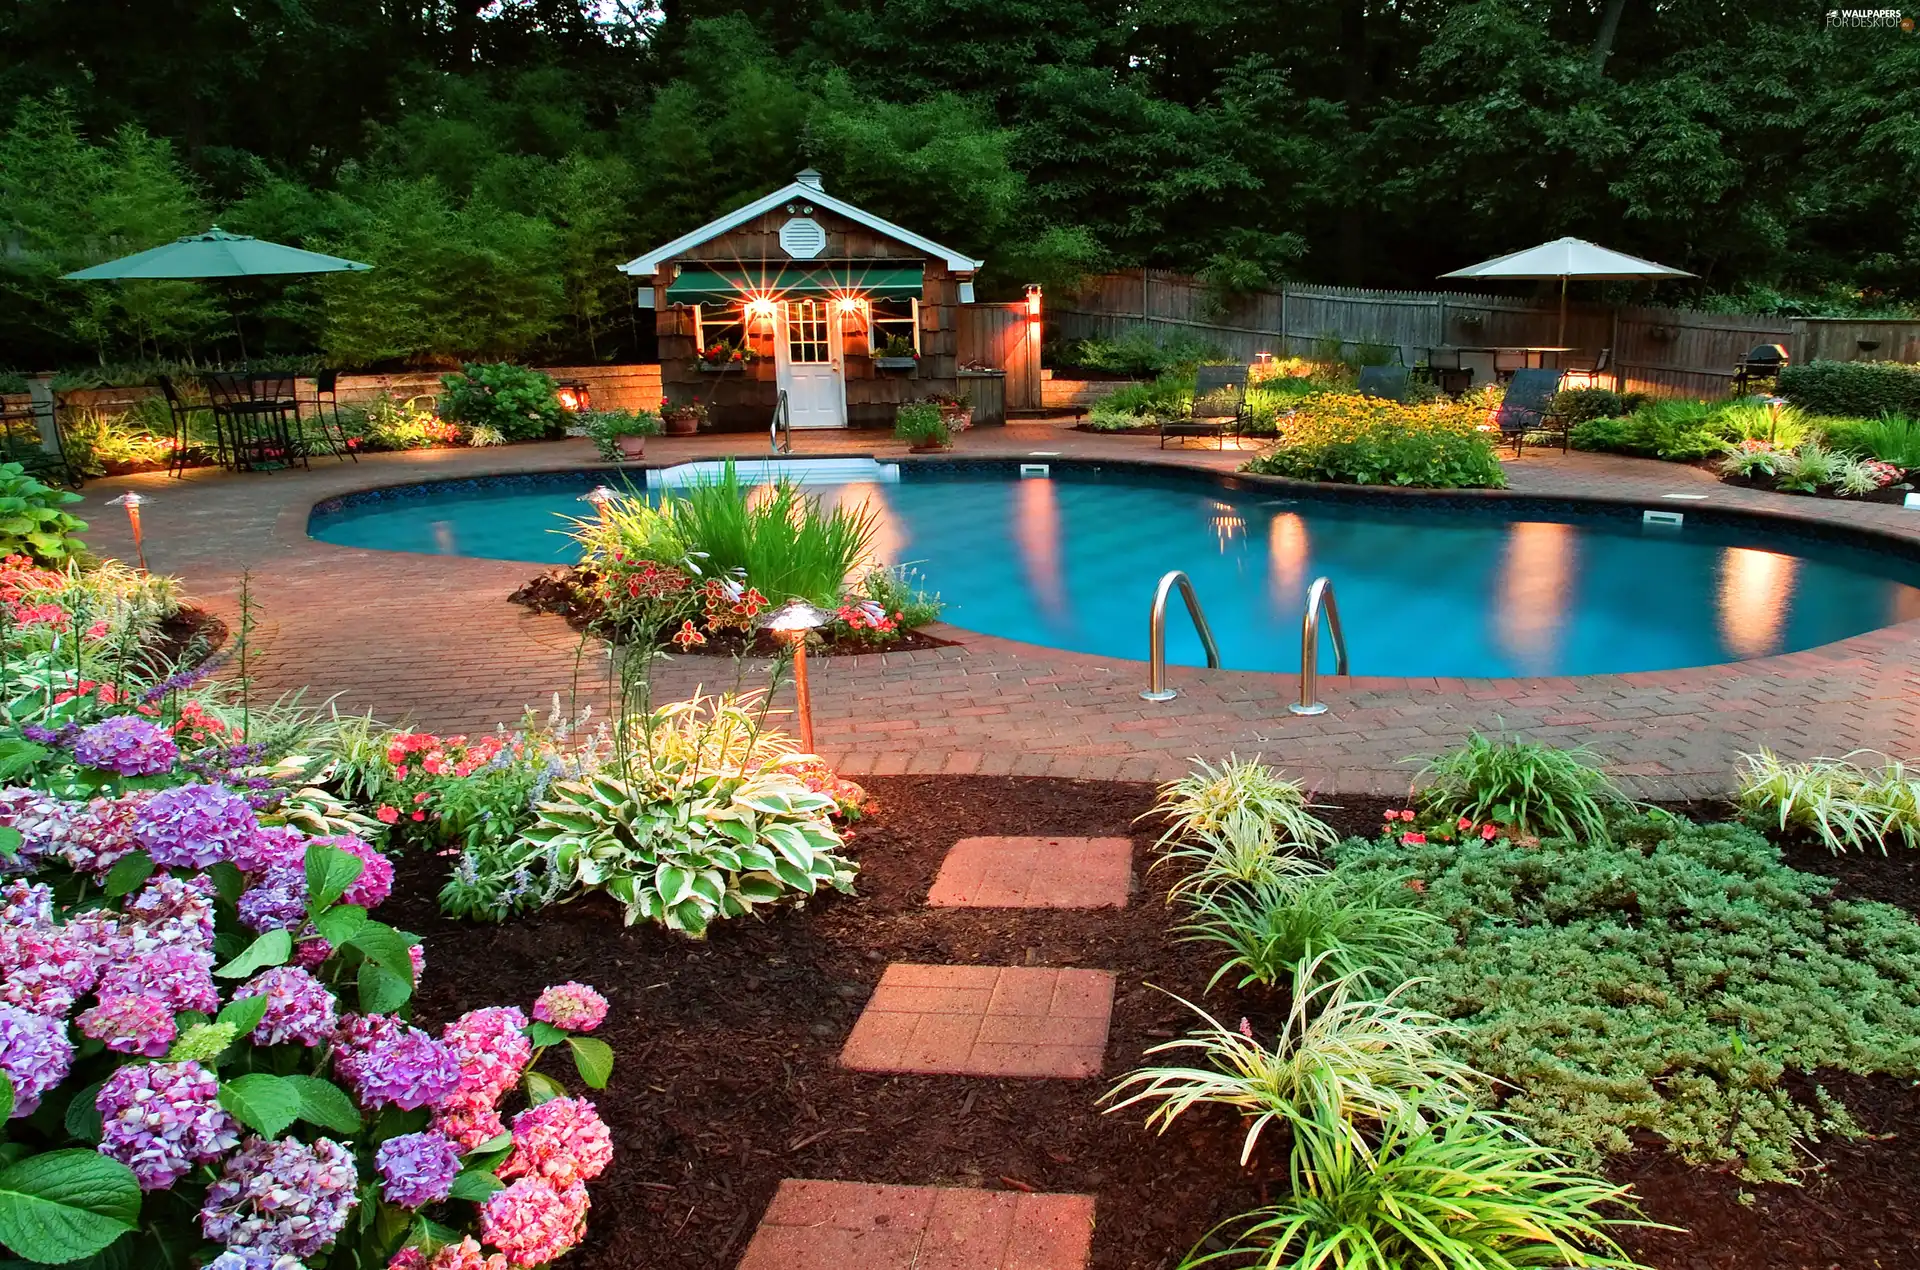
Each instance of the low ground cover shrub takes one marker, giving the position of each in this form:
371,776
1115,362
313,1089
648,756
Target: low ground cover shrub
1843,805
32,521
1856,389
517,401
1369,441
1667,980
388,423
1809,468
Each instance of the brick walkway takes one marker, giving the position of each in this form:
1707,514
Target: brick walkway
984,1021
1034,873
856,1226
431,640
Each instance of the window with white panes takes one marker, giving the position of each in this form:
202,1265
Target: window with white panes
807,342
893,328
720,332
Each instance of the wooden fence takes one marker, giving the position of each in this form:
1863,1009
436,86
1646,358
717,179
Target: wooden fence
1000,337
1667,352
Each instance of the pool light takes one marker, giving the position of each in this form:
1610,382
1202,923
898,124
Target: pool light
131,502
790,624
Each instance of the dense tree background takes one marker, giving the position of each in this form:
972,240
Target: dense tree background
495,157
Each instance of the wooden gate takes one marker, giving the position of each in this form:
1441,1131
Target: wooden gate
1000,337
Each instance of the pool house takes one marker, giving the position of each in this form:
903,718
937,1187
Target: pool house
845,313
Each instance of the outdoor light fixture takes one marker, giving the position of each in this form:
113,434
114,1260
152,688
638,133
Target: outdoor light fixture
574,395
600,496
1033,302
849,304
761,308
1263,359
1774,406
132,503
790,623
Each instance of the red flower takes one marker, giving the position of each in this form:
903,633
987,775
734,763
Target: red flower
400,772
1464,823
1413,840
1416,886
1487,832
419,815
687,637
386,815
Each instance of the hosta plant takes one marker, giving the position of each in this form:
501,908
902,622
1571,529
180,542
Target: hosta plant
1339,1058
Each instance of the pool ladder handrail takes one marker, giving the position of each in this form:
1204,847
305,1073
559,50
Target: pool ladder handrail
1157,689
782,426
1319,597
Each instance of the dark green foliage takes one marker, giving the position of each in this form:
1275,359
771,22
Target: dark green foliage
31,520
1529,788
1138,352
1577,405
517,401
1891,438
1859,389
1679,431
1668,982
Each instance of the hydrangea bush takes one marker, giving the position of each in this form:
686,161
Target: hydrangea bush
206,1051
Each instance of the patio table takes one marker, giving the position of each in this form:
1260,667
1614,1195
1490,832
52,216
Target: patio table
258,420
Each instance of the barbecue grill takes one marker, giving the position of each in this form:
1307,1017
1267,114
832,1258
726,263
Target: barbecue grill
1763,362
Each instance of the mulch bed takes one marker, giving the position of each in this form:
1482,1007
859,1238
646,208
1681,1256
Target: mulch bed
558,591
727,1078
190,632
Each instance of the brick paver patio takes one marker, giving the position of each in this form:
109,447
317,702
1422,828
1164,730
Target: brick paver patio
983,1021
1034,873
430,640
855,1226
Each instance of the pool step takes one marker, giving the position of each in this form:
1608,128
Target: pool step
833,471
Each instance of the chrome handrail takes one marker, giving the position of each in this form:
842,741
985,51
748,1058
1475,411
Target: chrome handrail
1319,595
782,425
1157,689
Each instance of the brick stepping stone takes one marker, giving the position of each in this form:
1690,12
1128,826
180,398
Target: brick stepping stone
983,1021
856,1226
1034,873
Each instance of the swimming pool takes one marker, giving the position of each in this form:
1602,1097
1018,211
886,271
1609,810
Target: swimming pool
1452,588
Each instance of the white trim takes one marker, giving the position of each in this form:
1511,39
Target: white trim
649,264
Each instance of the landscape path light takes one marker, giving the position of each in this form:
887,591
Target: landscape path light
1774,406
131,502
790,623
600,496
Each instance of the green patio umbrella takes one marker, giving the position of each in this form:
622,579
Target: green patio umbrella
217,254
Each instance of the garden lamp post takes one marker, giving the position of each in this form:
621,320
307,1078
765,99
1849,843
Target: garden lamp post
131,502
600,496
791,622
1774,406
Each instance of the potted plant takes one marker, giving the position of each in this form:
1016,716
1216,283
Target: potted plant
685,419
621,435
921,425
896,352
957,410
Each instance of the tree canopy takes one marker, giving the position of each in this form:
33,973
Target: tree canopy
495,158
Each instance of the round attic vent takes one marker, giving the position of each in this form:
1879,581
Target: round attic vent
803,239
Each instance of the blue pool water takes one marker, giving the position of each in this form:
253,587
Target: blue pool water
1071,562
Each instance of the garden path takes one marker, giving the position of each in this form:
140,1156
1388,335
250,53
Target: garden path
431,640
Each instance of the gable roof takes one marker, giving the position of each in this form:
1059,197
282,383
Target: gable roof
802,189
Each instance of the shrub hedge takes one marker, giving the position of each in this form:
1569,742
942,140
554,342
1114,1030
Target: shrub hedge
1860,389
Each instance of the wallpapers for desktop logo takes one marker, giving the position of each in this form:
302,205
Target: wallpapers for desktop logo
1869,19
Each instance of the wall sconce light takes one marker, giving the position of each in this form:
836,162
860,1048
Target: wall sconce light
132,503
850,304
574,395
1033,302
760,309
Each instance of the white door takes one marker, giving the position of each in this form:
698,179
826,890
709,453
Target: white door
806,353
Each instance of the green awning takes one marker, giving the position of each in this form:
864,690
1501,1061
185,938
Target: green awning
780,282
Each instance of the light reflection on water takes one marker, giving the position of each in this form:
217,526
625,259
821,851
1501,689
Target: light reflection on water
1756,594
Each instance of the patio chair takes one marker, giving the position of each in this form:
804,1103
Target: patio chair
1527,409
22,441
181,411
1392,383
1219,405
326,415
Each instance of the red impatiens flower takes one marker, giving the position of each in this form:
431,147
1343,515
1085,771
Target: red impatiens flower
386,815
1487,832
1413,840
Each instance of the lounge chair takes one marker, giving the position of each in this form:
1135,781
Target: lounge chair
1527,409
1394,383
1219,406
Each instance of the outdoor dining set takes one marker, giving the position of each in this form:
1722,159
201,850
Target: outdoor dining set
259,421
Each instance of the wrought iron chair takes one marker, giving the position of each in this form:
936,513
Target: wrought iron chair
255,414
326,415
181,411
1527,409
1392,383
1219,405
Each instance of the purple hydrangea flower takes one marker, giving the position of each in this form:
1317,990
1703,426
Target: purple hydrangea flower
103,832
383,1061
47,968
417,1168
131,1025
193,826
278,901
127,744
299,1007
170,911
253,1259
282,1197
181,977
45,825
26,904
161,1119
274,846
35,1053
371,888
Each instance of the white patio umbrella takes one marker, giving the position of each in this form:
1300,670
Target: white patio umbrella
1567,258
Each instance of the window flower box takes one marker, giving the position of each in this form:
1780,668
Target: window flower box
895,363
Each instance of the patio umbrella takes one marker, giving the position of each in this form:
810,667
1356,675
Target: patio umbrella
1566,258
217,254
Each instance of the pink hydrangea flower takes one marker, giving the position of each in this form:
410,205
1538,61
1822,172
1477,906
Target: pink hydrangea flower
47,968
35,1053
562,1141
383,1061
492,1049
169,911
465,1255
573,1006
161,1119
131,1025
469,1120
181,977
285,1197
532,1223
299,1007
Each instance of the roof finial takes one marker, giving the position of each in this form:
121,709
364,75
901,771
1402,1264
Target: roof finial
810,178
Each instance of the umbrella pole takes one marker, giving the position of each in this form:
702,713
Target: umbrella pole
1561,339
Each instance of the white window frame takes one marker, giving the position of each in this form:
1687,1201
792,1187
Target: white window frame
873,344
745,323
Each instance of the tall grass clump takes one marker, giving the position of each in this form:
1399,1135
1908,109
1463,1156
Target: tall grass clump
1845,806
1890,437
1366,930
1340,1057
1243,850
783,543
1534,790
1202,801
1467,1193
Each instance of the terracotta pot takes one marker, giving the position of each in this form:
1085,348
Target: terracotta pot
958,418
930,447
632,447
678,424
